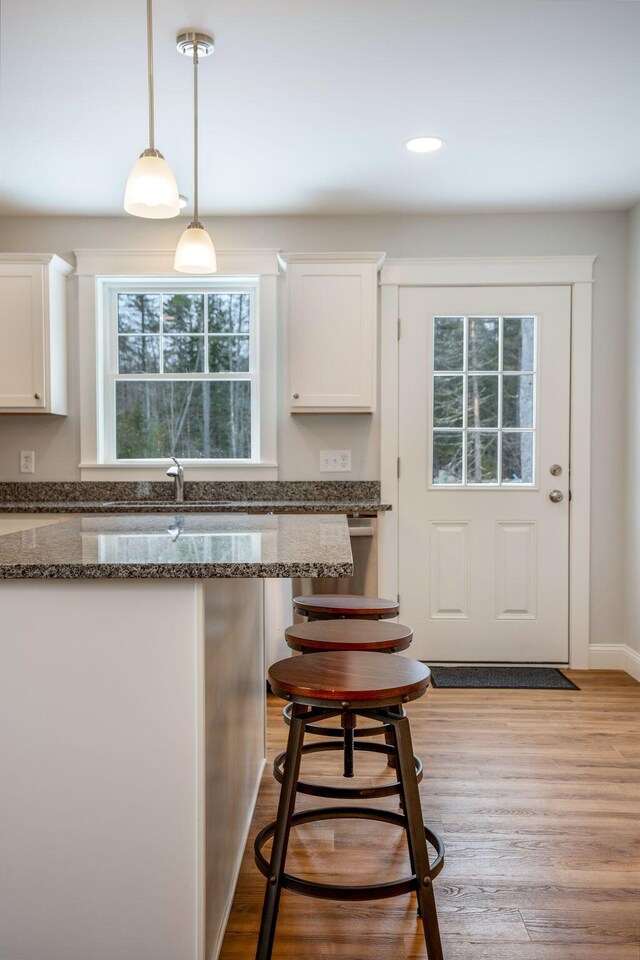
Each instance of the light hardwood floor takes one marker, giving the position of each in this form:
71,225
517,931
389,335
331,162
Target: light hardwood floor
537,796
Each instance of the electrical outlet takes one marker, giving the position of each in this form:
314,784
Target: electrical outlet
27,461
335,461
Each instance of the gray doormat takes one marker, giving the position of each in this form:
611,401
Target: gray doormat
507,678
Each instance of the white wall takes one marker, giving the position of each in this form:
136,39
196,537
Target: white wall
56,443
632,512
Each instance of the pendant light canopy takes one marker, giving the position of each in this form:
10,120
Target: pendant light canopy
195,252
152,191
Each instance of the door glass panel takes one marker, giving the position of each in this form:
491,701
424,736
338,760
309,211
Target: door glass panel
448,457
448,394
518,343
484,343
484,407
482,401
482,457
448,346
517,457
517,401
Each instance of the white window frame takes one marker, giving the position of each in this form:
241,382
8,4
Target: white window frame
100,273
111,287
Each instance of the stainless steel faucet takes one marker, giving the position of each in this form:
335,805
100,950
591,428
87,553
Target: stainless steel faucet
177,472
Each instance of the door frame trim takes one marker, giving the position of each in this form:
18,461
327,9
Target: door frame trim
576,272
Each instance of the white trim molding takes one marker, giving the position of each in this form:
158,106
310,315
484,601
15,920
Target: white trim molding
327,257
576,272
487,271
615,656
139,263
95,266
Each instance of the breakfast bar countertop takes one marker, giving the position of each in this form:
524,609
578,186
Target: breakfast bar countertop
197,546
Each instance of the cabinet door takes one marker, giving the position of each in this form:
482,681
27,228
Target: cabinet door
332,329
22,336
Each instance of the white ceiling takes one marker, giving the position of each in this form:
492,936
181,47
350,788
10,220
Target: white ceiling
306,105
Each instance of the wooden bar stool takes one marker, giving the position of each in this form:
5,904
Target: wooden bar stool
335,635
323,685
336,606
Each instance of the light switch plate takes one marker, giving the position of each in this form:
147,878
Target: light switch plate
335,461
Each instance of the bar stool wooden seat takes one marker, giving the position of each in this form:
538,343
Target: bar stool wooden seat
319,686
335,606
327,635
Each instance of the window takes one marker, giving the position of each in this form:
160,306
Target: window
483,401
181,371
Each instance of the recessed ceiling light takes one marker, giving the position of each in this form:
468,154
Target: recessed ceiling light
424,144
182,201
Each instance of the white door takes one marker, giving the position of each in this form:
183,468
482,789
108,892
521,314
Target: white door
484,472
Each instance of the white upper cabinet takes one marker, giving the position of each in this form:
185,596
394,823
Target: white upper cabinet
33,343
332,330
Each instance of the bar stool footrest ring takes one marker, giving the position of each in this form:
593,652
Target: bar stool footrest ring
318,730
333,891
346,793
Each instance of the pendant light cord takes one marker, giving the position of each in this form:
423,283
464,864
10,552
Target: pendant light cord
150,72
195,132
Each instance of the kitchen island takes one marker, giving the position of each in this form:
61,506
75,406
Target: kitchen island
132,724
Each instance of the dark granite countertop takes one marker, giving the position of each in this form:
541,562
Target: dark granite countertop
333,496
180,547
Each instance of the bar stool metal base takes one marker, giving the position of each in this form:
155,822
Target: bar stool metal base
349,892
345,793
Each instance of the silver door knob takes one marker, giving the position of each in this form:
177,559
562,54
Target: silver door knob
556,496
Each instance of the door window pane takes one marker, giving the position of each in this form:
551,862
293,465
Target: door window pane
484,343
448,343
191,419
483,413
482,457
517,401
518,343
447,457
517,457
448,393
482,401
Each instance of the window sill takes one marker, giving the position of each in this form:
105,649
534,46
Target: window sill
205,469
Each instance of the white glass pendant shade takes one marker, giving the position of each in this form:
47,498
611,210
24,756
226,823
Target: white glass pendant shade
152,191
195,252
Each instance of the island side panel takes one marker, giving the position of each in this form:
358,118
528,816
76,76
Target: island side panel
100,731
235,736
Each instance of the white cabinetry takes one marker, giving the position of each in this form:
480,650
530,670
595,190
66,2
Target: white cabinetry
332,329
33,345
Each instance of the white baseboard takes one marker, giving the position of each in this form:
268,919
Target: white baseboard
614,656
215,953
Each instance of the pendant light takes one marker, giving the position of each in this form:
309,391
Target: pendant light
152,191
195,252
